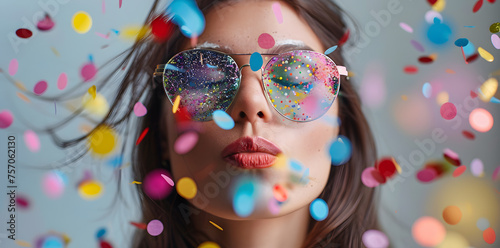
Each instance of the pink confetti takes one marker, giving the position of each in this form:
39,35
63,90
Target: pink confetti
375,239
45,24
476,167
448,110
426,175
13,66
451,156
168,179
22,201
277,12
495,40
139,109
459,170
88,72
185,142
155,227
155,185
103,7
266,41
273,206
368,179
417,46
53,184
406,27
496,174
40,87
102,35
119,3
32,141
6,119
62,81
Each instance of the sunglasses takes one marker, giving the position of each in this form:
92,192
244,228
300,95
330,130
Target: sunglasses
300,85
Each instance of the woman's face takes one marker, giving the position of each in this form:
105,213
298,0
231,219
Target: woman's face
238,26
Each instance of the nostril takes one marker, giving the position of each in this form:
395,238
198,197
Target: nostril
260,114
242,115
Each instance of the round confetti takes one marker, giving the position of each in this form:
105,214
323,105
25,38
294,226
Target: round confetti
161,28
244,198
186,142
273,206
24,33
340,150
417,46
139,109
448,111
279,193
469,49
431,15
483,224
488,89
155,227
331,50
489,235
81,22
256,61
439,5
477,167
22,201
208,244
188,17
90,189
495,27
368,179
32,141
62,81
495,41
468,135
13,66
318,209
6,119
428,231
98,106
375,239
52,241
496,174
461,42
410,69
223,119
427,90
53,184
451,156
186,188
45,24
155,186
439,33
485,54
452,215
406,27
426,175
40,87
459,170
481,120
102,140
100,233
88,72
105,244
266,41
386,167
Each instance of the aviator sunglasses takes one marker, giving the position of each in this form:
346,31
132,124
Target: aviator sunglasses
301,85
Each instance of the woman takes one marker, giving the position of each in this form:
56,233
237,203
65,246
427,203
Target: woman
262,135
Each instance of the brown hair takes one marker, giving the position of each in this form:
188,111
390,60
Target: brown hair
351,204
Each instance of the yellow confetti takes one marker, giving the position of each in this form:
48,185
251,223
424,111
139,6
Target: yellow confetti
433,56
439,5
20,86
485,54
92,91
98,106
398,168
208,244
176,104
442,97
186,188
404,97
90,189
134,32
102,140
135,182
54,50
280,162
450,71
350,74
81,22
488,89
220,228
23,243
23,97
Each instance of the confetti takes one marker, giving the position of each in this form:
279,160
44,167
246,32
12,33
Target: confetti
488,89
22,201
461,42
168,179
459,170
477,167
135,182
439,33
161,28
468,135
40,87
88,71
472,58
340,150
344,38
139,109
244,198
485,54
92,91
6,119
280,193
489,235
185,142
23,243
277,12
104,244
24,33
143,134
115,161
23,97
477,6
448,111
496,174
482,224
98,106
425,60
32,141
81,22
427,90
265,41
139,225
331,50
375,239
410,69
318,209
256,61
452,215
439,5
119,4
426,175
451,156
495,27
155,186
406,27
102,140
45,24
427,231
100,233
495,41
218,227
431,15
53,184
90,189
417,46
223,119
62,81
54,50
273,206
208,244
155,227
186,188
187,16
52,241
450,71
386,167
177,101
13,66
481,120
368,179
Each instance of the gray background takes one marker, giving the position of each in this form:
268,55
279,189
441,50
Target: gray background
399,125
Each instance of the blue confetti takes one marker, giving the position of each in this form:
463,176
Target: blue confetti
115,31
461,42
318,209
439,33
91,58
482,224
244,198
100,233
340,150
223,120
330,50
295,166
53,242
494,100
115,161
256,61
469,49
187,15
427,90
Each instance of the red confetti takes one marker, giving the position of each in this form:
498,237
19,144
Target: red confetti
468,135
22,201
105,244
378,177
142,136
489,235
426,175
473,94
139,225
448,110
437,167
477,6
161,28
491,1
344,38
432,2
472,58
182,115
386,167
459,170
24,33
411,69
425,60
451,157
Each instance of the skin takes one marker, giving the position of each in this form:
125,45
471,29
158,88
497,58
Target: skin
238,26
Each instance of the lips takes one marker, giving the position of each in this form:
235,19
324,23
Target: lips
251,153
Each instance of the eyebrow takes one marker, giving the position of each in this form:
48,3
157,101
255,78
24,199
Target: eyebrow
279,47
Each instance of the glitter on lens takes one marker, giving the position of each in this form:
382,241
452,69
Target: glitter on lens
481,120
186,187
340,150
318,209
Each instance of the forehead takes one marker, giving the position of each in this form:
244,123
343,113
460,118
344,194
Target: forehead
237,27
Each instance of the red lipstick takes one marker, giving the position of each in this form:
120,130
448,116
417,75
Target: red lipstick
251,153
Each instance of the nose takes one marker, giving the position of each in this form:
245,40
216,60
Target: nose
250,103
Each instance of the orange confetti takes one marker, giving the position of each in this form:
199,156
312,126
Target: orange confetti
220,228
489,235
139,225
23,97
450,71
459,170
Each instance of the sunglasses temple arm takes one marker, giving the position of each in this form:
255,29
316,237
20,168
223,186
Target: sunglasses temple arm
342,70
158,75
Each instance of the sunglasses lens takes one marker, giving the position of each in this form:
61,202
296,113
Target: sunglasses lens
205,81
301,85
